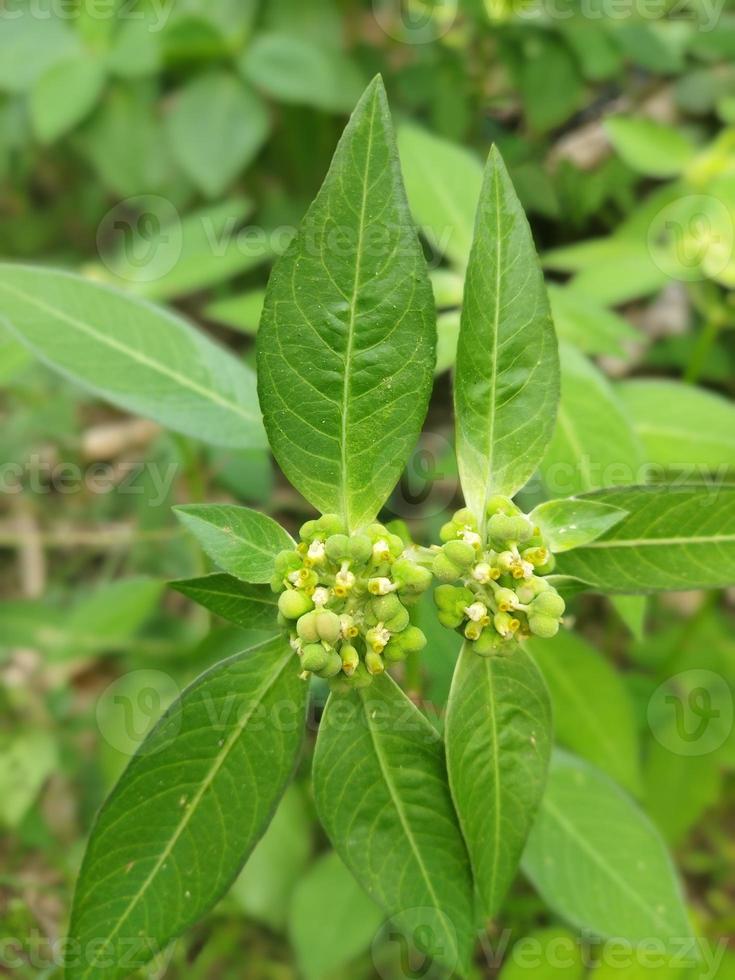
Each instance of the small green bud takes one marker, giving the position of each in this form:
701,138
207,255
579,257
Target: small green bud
350,658
396,545
530,588
501,505
333,666
452,620
465,518
506,599
548,567
338,547
361,678
308,530
306,628
328,626
544,626
412,639
385,607
287,561
314,657
361,548
411,577
374,662
548,603
444,569
488,643
293,604
448,532
460,553
329,524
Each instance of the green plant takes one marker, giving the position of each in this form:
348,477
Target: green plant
346,354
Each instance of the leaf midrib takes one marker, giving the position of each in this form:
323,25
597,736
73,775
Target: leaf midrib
189,812
130,352
657,542
353,320
490,455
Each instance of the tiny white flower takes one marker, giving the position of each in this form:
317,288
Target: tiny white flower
321,596
294,578
316,551
381,551
381,586
344,578
295,643
481,573
471,537
476,612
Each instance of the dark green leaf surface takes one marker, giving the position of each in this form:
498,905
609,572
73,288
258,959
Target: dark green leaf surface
250,606
598,861
507,380
241,541
673,538
187,811
498,739
135,355
346,343
573,522
593,712
381,793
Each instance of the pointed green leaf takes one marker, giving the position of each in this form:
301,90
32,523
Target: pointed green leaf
507,380
498,738
573,522
346,343
593,444
593,711
187,811
673,538
241,541
64,95
599,862
250,606
381,793
135,355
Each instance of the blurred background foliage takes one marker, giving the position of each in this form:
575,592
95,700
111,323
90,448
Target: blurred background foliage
170,148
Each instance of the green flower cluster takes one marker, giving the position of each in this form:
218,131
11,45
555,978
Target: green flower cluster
503,594
344,599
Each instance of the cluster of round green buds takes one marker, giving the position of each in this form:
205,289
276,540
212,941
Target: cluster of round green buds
344,600
498,591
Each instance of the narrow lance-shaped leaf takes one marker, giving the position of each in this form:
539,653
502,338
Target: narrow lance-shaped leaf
241,541
250,606
381,793
599,862
187,811
672,538
346,342
137,356
498,738
571,523
507,380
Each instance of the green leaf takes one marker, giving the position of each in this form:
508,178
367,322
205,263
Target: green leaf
593,444
346,931
250,606
64,95
599,863
443,183
137,356
586,324
33,38
266,884
556,954
498,739
241,541
381,793
507,379
187,811
610,270
680,788
296,70
570,522
593,713
27,760
216,127
241,312
681,426
673,538
346,343
651,148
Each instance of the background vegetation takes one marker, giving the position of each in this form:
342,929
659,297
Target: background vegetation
170,148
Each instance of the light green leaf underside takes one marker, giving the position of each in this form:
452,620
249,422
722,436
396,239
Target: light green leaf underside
346,343
250,606
673,538
133,354
188,809
593,713
507,378
498,739
598,861
572,522
593,444
381,793
681,426
241,541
